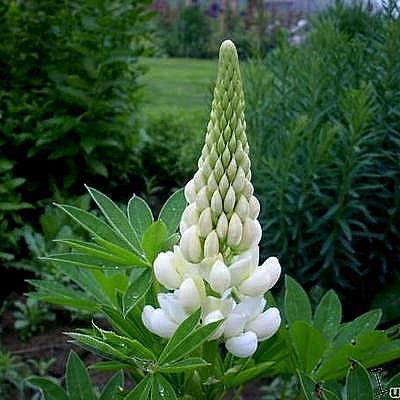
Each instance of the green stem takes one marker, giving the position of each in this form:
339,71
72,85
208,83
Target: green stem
237,393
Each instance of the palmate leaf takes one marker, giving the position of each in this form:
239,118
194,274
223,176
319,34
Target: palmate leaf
113,387
139,215
161,389
328,315
50,389
137,291
358,383
186,338
248,374
79,386
183,366
116,218
172,210
142,390
297,303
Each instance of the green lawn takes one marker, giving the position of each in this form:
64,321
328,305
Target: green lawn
178,85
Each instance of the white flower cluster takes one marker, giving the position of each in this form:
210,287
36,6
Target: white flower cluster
216,267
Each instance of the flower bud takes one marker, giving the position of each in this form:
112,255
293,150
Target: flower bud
239,181
216,203
165,271
188,295
211,245
231,171
251,234
254,207
190,245
234,231
202,201
205,222
220,277
222,226
242,346
198,180
266,324
190,217
156,321
190,192
229,201
223,185
242,208
212,183
274,270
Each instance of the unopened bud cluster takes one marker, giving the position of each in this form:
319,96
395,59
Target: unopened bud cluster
216,267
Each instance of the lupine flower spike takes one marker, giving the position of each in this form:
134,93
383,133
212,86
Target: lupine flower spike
216,267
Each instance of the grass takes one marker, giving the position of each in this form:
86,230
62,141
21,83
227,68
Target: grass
178,85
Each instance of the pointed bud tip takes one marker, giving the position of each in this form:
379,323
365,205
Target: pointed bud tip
227,48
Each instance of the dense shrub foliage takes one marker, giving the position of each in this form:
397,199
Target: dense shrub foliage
68,101
324,120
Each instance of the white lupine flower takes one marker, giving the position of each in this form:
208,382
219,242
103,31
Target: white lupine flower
158,322
246,321
244,345
165,271
262,279
220,277
218,250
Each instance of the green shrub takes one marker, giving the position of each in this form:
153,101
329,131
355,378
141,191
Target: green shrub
324,120
188,35
169,149
68,98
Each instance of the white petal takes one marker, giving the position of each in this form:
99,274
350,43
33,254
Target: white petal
212,317
172,307
274,270
266,324
220,277
250,307
147,314
188,295
160,324
234,325
190,215
264,278
242,346
240,269
251,234
254,207
165,271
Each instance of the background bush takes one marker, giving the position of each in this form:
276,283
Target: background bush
324,125
68,100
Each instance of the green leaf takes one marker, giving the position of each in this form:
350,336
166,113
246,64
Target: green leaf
79,386
139,215
191,342
127,327
114,387
109,366
100,347
184,365
328,315
153,239
95,251
51,390
116,218
308,386
172,210
162,389
184,329
248,374
297,303
137,290
358,383
308,343
362,324
142,390
95,226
